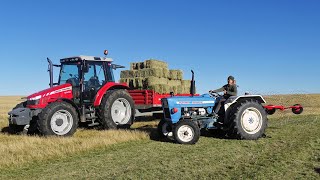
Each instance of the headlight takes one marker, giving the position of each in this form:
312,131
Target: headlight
34,100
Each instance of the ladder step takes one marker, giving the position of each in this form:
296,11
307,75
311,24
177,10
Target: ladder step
93,124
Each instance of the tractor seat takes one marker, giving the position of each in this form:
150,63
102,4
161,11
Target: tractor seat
94,82
73,81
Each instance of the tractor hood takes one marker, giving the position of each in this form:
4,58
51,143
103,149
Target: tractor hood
195,101
42,98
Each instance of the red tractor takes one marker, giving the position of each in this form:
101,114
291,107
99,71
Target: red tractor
86,92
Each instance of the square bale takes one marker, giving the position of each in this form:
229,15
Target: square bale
153,63
150,81
175,74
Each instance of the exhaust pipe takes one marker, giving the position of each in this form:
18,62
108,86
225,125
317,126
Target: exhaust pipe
193,85
50,70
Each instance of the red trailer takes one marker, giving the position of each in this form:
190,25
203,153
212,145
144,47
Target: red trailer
149,100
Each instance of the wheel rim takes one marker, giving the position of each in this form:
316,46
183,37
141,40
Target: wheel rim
121,111
61,122
251,120
185,133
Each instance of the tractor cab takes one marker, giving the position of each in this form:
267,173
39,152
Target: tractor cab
86,74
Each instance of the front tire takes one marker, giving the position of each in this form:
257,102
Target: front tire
58,119
186,132
249,121
117,110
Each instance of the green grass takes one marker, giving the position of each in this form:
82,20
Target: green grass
291,150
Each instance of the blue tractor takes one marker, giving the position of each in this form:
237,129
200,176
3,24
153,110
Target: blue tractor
243,117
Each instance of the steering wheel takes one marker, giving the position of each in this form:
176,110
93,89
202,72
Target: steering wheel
214,94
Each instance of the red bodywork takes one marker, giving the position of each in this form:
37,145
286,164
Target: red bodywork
47,96
64,91
144,99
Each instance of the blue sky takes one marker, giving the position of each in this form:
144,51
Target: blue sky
270,46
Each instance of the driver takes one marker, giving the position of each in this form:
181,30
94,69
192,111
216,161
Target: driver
229,89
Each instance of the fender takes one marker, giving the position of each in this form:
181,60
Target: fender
109,86
234,99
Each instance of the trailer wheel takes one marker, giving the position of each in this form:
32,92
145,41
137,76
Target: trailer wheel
270,111
164,129
186,132
58,119
117,110
297,110
249,121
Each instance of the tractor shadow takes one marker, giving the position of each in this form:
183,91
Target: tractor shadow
153,133
5,130
317,170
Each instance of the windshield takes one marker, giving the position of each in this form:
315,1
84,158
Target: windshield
68,72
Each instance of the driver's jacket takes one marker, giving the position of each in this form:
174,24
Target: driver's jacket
231,90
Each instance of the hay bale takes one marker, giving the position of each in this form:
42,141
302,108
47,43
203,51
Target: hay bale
128,74
160,88
152,63
150,81
153,72
130,82
185,82
139,83
137,66
175,74
174,82
175,89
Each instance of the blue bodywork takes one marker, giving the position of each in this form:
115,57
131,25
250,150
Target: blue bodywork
205,101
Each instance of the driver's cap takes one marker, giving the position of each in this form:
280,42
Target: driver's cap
231,78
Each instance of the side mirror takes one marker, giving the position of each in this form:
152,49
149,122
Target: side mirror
115,66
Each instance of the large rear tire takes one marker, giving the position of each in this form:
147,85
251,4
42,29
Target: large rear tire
117,110
186,132
248,121
58,119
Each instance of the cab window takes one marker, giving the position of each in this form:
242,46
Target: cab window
95,77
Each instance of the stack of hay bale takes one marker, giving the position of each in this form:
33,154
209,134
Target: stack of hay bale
155,75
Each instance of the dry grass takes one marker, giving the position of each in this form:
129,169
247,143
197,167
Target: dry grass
16,150
20,150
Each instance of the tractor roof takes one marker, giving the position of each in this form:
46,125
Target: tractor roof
85,58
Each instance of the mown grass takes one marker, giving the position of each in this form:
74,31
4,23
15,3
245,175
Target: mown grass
16,150
291,150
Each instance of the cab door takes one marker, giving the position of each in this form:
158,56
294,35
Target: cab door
93,79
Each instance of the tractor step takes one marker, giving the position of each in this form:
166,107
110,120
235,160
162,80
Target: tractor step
89,111
93,124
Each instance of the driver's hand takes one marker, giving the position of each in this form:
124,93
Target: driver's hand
225,92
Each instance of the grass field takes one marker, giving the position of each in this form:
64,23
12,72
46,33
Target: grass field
291,150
